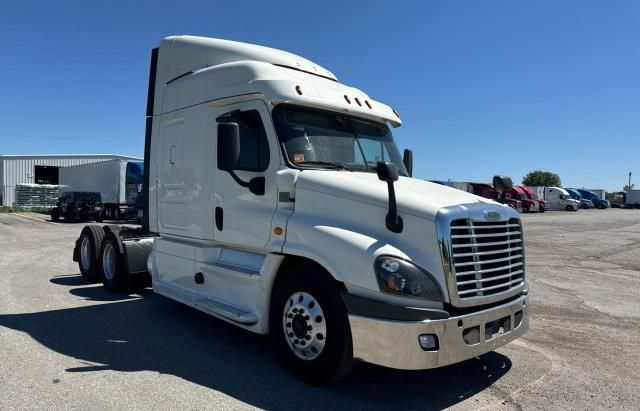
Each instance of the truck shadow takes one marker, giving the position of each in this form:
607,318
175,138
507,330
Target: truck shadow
152,333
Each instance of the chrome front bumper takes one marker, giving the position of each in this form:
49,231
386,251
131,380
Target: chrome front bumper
395,343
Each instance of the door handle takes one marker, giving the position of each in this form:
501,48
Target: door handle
219,216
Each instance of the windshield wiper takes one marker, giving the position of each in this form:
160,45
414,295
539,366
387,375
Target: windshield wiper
333,164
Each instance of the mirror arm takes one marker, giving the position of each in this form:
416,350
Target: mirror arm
393,220
237,179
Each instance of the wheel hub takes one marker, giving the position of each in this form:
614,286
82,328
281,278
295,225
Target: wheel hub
109,261
304,326
85,247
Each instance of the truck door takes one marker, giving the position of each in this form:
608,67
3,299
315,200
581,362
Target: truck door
241,217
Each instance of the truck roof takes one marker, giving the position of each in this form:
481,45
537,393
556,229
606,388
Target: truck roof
194,70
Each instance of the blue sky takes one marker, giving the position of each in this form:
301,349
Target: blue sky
483,87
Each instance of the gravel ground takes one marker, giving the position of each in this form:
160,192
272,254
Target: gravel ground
69,345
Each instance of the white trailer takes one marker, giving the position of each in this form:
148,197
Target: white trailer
118,181
632,199
276,199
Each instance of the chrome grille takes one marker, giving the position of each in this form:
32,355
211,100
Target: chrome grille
487,258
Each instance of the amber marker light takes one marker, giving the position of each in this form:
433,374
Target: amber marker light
277,231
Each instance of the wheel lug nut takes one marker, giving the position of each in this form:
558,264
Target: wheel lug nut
319,319
306,317
296,341
307,337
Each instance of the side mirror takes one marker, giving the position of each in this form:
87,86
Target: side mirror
387,172
407,159
502,183
228,146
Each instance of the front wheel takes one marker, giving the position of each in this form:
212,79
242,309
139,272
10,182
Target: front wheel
568,208
309,326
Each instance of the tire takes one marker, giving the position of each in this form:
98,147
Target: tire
328,354
90,244
111,263
542,209
568,208
55,214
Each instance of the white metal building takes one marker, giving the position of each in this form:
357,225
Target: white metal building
41,169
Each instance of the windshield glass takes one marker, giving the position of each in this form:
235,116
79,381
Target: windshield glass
323,139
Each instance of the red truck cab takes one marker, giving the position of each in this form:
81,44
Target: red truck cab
528,204
533,196
489,191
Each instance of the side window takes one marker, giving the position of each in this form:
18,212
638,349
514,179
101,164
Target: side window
254,146
374,150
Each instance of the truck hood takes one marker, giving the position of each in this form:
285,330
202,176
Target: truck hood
416,197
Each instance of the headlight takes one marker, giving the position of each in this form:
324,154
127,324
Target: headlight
399,277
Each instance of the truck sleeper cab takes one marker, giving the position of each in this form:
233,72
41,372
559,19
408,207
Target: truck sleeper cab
277,200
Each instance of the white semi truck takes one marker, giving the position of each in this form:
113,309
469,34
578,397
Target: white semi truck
119,183
557,198
276,199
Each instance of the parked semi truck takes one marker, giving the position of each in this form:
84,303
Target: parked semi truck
119,183
489,191
557,198
532,195
276,199
529,205
583,202
594,198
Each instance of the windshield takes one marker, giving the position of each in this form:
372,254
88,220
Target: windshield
322,139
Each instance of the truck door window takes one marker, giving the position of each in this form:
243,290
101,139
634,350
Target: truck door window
254,146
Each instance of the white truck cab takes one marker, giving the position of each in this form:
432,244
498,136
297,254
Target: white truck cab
557,198
278,201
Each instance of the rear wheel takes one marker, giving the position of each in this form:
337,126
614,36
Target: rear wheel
111,264
90,243
568,208
309,326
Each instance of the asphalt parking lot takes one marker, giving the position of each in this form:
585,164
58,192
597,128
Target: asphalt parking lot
69,345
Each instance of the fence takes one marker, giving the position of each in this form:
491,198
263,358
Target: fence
30,195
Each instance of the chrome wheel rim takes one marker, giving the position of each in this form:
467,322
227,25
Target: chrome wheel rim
85,256
108,261
304,326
